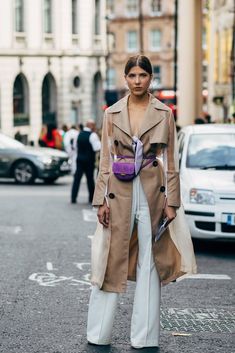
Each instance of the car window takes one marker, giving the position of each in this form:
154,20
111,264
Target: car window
215,151
8,142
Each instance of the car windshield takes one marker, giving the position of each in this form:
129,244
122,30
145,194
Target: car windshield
211,151
8,142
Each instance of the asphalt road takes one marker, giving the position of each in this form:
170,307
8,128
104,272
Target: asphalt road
44,282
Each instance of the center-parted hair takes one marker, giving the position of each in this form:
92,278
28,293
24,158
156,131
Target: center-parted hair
138,60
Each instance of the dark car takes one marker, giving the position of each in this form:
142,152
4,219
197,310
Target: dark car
25,164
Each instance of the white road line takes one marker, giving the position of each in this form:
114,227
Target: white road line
90,236
81,265
17,229
205,276
50,267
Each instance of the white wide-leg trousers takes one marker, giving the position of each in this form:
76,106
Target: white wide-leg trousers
145,322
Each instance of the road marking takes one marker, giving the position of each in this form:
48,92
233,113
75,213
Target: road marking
49,279
10,229
81,265
89,215
205,276
50,266
90,236
17,229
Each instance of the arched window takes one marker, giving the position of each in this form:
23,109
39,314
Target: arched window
21,101
49,100
19,16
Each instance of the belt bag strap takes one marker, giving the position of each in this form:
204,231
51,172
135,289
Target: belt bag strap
138,154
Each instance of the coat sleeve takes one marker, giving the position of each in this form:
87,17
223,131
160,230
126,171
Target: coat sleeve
104,166
172,172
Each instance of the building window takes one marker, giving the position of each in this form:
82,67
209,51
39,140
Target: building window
111,78
47,16
49,100
19,16
155,39
132,41
97,17
156,6
110,8
157,77
132,7
74,17
21,101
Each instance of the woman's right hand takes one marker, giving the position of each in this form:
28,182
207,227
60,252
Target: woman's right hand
103,214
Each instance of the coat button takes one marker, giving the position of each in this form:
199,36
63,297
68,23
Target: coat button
155,163
162,188
116,142
111,195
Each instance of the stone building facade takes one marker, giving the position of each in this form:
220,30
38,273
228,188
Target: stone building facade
51,64
127,28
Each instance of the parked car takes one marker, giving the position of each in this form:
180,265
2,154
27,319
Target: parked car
207,171
25,164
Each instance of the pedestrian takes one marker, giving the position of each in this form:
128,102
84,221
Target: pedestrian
88,143
52,138
70,145
132,194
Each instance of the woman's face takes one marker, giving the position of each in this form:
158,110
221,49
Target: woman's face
138,81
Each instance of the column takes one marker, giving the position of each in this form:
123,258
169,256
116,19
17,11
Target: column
189,61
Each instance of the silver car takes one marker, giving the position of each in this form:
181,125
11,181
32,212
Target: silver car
25,164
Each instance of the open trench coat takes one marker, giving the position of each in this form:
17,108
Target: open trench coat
173,252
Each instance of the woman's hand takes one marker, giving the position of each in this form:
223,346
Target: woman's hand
103,214
169,212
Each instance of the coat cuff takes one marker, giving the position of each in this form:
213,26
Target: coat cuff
173,189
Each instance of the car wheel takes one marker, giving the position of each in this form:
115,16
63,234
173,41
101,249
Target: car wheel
50,180
24,172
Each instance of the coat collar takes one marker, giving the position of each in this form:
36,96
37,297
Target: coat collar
150,120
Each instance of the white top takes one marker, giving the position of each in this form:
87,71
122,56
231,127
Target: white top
94,140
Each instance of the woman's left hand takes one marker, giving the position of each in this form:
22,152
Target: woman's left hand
170,212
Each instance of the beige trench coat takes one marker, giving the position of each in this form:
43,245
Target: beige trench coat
158,134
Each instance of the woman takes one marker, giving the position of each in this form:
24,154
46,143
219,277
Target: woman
52,138
138,130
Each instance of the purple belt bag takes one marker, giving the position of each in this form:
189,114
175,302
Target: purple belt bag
126,171
123,170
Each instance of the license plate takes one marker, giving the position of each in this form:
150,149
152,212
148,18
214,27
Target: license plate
229,218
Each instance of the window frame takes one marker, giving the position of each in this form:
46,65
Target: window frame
74,17
129,49
47,15
132,8
19,27
151,39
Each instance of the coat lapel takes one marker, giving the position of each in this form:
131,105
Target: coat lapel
120,116
153,115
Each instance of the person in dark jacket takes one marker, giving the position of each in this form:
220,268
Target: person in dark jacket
88,143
